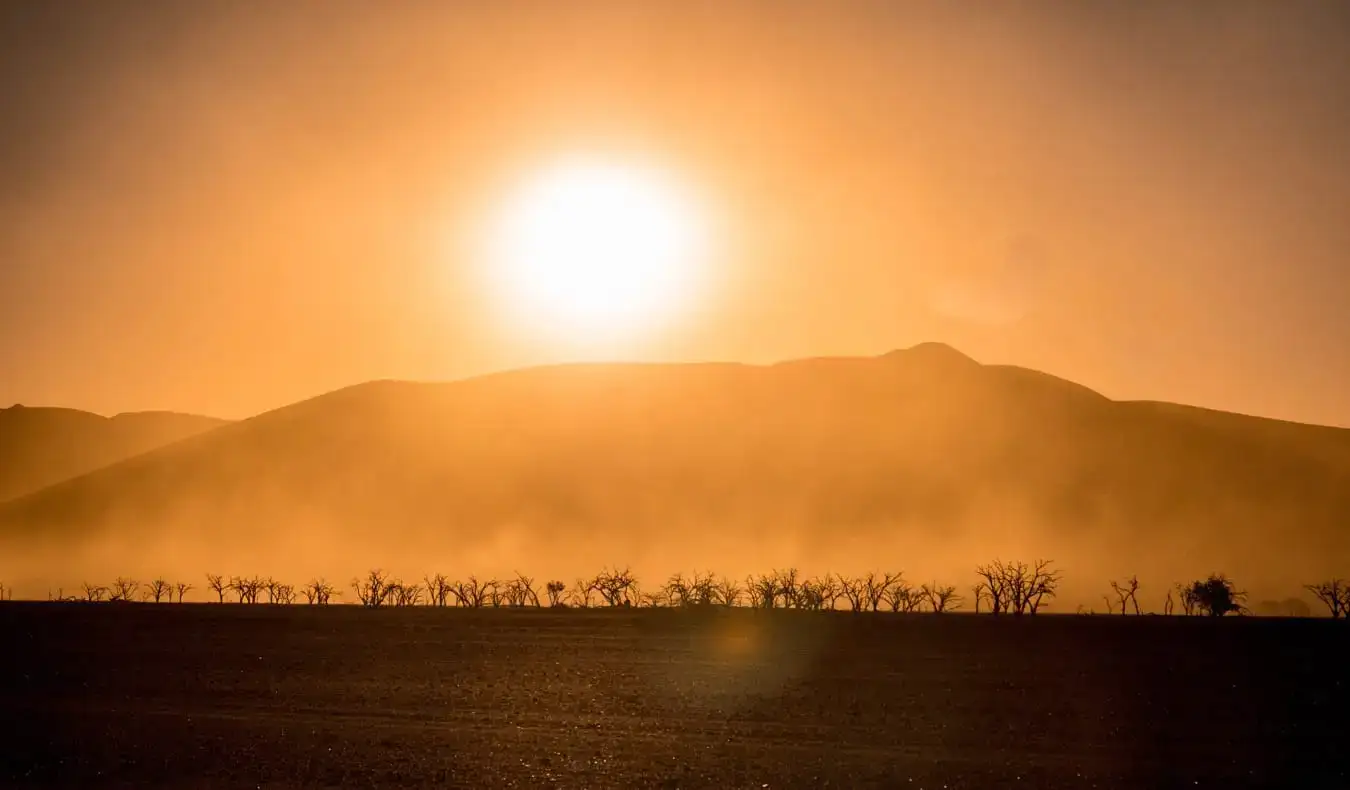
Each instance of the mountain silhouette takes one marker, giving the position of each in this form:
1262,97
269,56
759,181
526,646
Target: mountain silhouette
42,446
921,459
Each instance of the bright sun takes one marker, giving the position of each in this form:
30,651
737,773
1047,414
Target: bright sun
592,250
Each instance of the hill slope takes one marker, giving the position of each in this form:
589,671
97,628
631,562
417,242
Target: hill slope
921,459
42,446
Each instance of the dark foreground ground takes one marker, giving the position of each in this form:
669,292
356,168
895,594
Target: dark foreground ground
233,696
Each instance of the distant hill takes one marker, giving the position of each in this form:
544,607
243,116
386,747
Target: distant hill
921,459
42,446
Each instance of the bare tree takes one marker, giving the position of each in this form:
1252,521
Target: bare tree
319,591
941,598
157,589
1125,594
902,597
854,591
1189,602
246,589
580,594
1169,604
182,589
763,590
995,586
980,594
373,589
675,592
820,592
1018,587
875,586
729,592
282,593
520,591
123,589
555,591
789,587
217,584
438,589
473,593
1334,594
615,587
93,592
400,594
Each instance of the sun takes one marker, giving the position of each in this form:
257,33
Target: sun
596,251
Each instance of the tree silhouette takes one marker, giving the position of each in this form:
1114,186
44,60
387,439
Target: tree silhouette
1215,596
123,589
217,584
555,591
902,597
157,589
182,589
763,590
372,590
93,592
729,592
319,591
1125,594
994,586
1334,594
942,598
438,589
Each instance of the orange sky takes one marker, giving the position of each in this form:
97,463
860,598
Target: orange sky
223,208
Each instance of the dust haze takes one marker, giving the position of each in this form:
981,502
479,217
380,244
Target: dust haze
922,460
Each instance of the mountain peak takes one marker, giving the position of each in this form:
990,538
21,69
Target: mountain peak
938,353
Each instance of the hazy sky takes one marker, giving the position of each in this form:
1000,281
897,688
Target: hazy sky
225,207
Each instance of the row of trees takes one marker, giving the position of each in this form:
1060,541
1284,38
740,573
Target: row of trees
1004,587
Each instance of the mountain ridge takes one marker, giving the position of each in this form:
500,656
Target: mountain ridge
928,455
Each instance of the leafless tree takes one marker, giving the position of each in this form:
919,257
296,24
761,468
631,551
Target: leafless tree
729,592
675,592
615,587
283,593
319,591
555,591
995,586
789,587
373,589
157,589
1125,594
1190,603
854,591
93,592
246,589
941,598
473,593
980,593
820,592
1334,594
217,584
580,594
520,591
763,590
1169,605
438,589
1018,587
398,593
902,597
182,589
123,589
875,586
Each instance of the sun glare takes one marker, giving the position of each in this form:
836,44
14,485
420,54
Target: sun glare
592,251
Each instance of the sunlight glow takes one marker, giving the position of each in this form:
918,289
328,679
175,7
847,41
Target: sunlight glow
591,250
